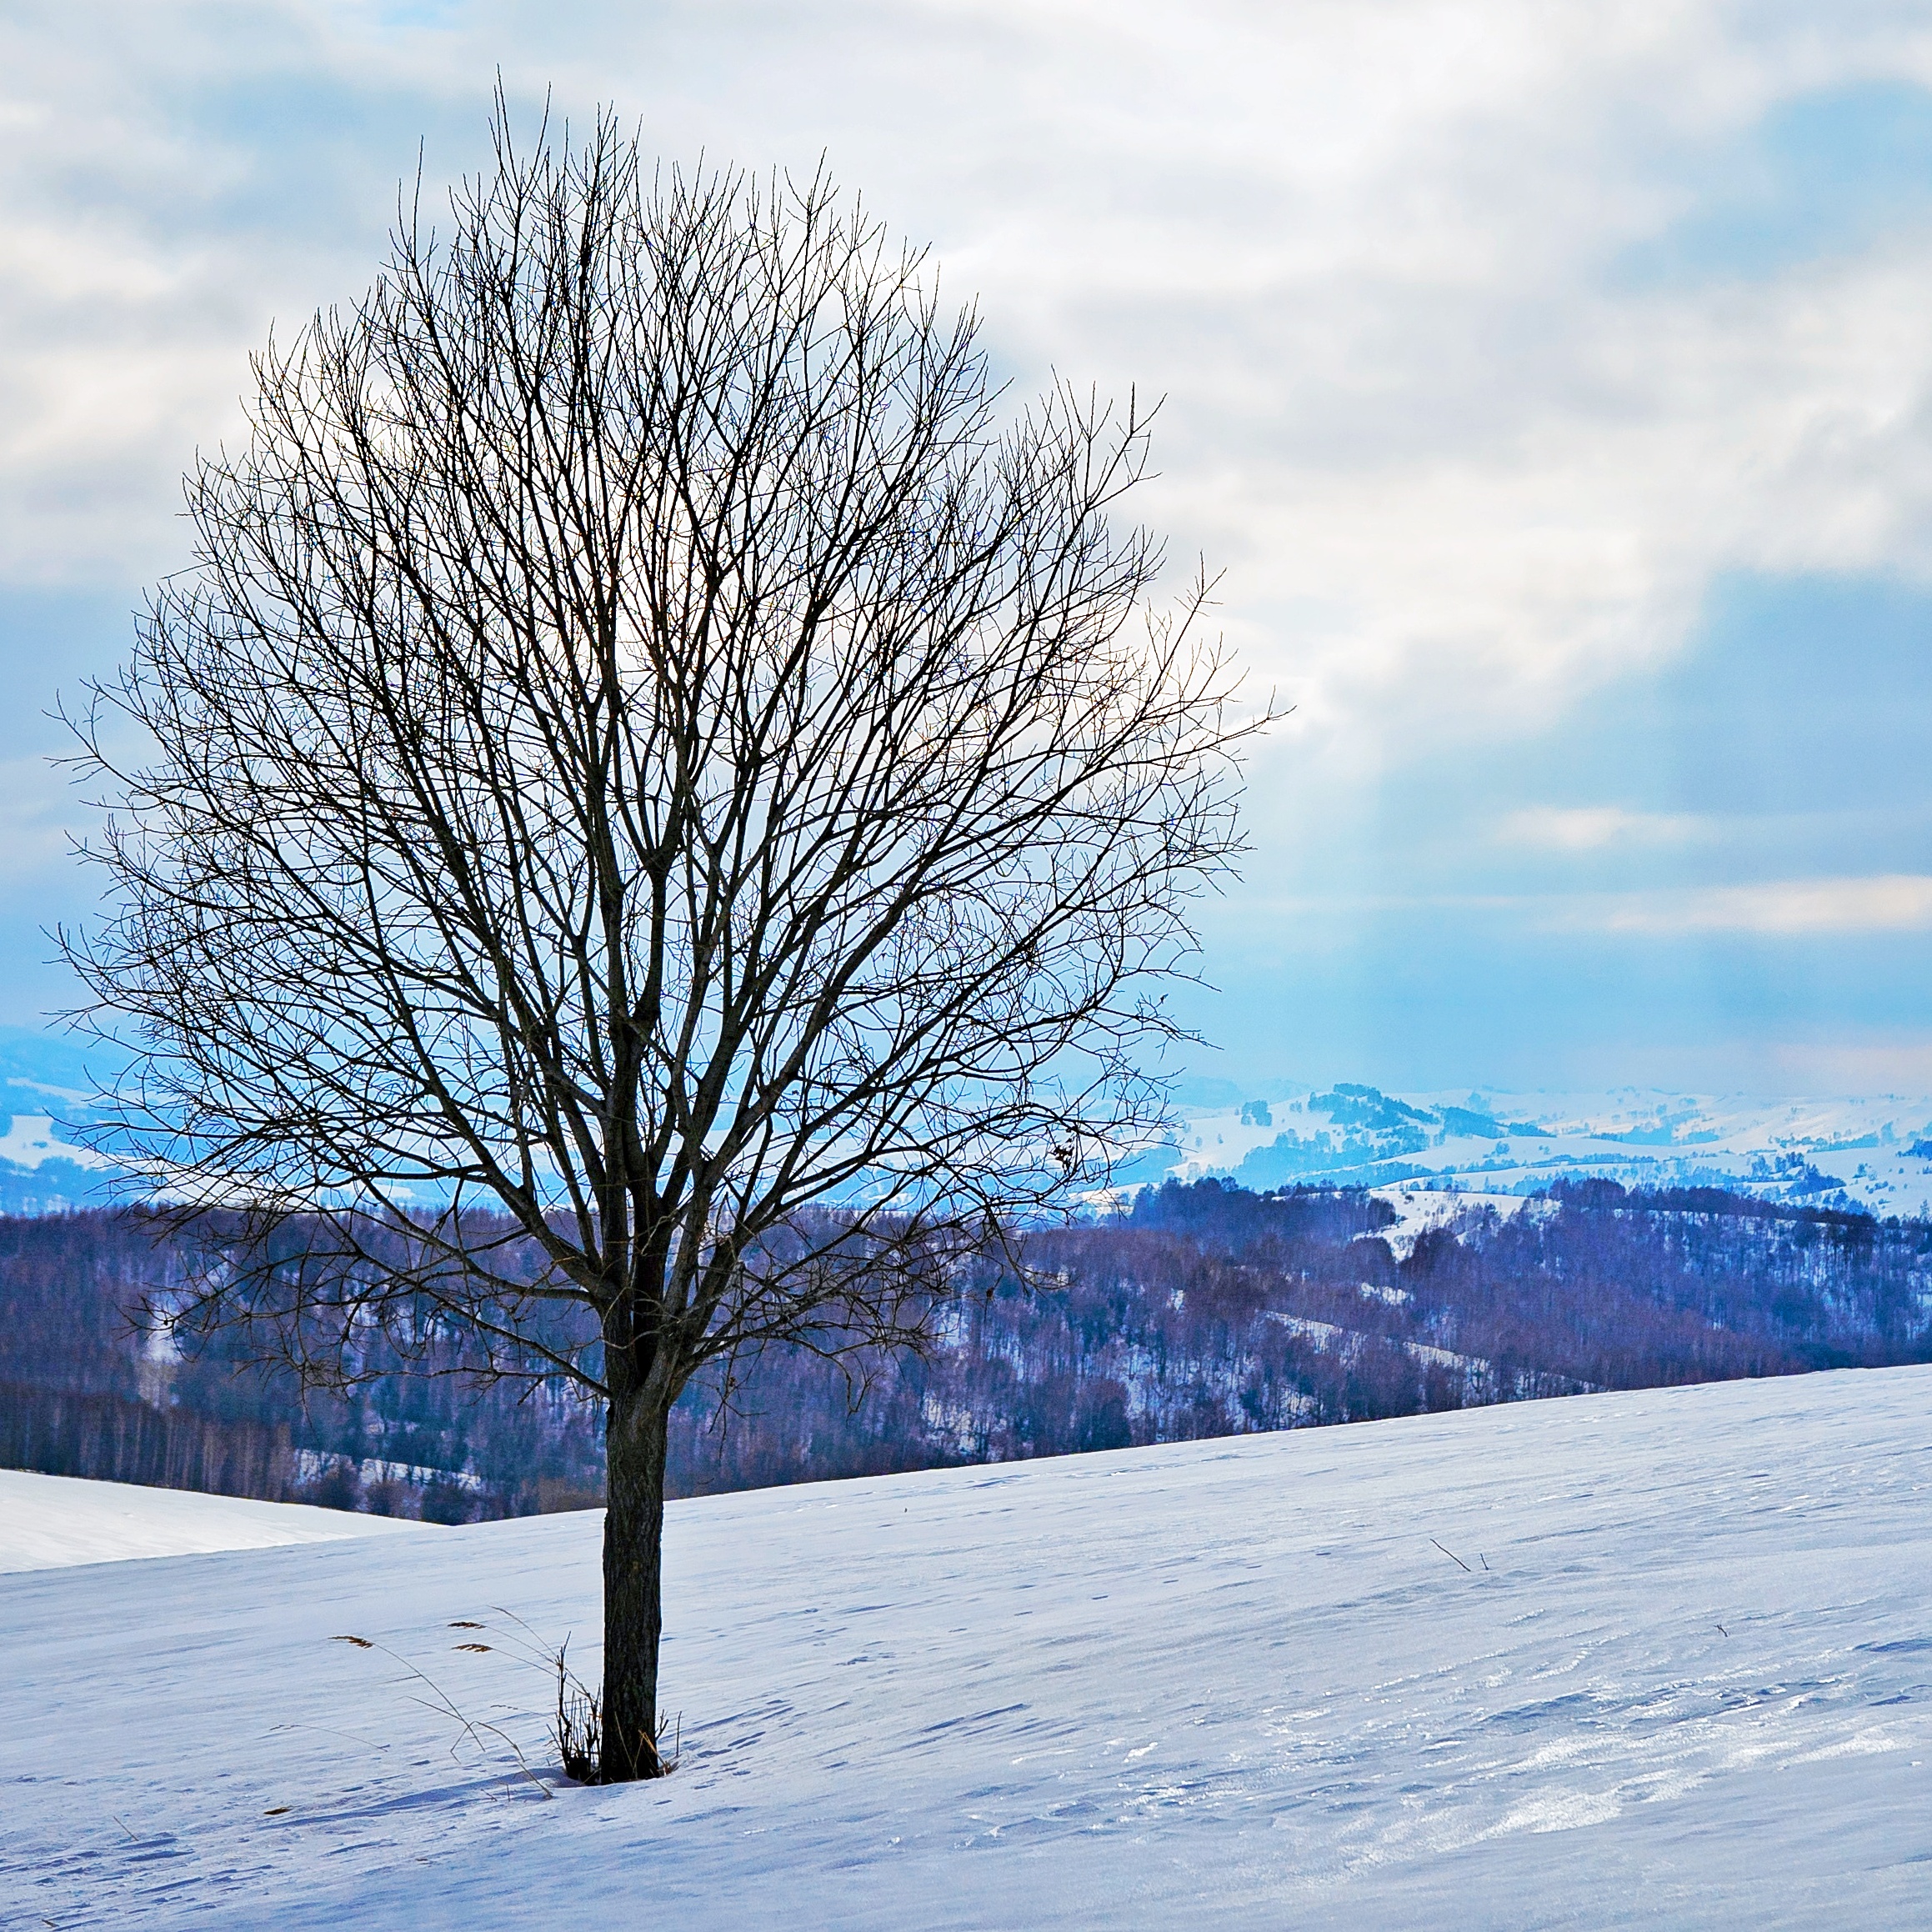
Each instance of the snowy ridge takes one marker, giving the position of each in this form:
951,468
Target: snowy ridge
1636,1660
49,1089
1874,1154
1488,1141
54,1522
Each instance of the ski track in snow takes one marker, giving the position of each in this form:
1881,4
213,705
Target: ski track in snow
1233,1683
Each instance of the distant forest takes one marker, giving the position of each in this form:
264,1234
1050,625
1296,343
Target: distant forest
1205,1310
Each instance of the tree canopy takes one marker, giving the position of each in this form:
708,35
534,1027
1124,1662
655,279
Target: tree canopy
668,806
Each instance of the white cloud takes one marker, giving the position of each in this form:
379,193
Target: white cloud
1898,1065
1460,474
1597,828
1463,470
1364,251
1894,903
1790,909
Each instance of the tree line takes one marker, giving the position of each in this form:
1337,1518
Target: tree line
1204,1310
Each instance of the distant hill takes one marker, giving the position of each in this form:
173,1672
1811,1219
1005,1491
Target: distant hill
48,1088
1873,1153
1206,1310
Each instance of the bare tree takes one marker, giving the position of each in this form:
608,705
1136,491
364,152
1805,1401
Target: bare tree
662,817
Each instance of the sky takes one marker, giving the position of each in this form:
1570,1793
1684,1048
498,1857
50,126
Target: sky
1551,385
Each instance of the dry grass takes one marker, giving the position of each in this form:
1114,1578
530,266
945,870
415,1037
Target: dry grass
576,1730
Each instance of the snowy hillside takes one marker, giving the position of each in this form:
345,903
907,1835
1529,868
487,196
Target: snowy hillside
51,1522
46,1087
1636,1660
1876,1152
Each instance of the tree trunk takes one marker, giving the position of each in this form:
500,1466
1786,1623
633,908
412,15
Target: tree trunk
635,1436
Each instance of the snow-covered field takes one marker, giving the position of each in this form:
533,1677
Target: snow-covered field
51,1522
1661,1659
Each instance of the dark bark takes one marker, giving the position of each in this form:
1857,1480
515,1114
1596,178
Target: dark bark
633,1543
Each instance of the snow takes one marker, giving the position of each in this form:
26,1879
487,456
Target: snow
30,1139
53,1522
1643,1138
1632,1659
1417,1210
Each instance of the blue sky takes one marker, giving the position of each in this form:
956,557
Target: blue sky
1553,384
